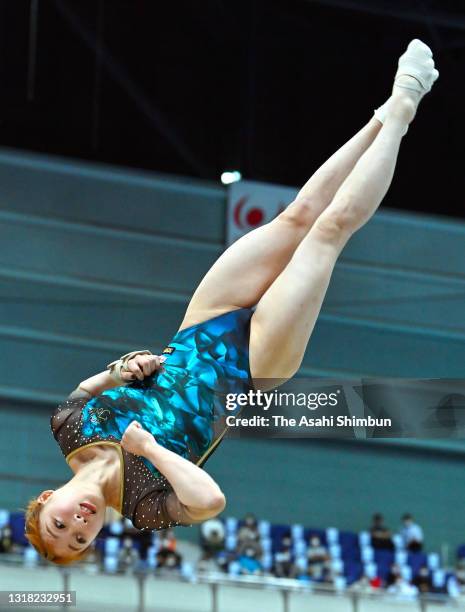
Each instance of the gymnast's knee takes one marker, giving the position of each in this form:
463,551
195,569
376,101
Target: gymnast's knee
335,227
299,213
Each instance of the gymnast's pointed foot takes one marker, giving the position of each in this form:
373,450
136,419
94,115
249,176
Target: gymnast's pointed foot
414,78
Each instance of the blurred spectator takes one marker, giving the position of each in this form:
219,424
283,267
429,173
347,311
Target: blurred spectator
283,563
255,544
249,536
412,534
394,574
167,556
6,539
212,538
460,574
127,556
328,575
167,540
318,557
92,562
423,580
249,563
381,537
224,558
144,538
367,585
249,530
168,559
403,589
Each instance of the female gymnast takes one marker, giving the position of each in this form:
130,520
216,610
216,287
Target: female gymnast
137,435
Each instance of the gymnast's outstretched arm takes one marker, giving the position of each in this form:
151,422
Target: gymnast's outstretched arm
196,490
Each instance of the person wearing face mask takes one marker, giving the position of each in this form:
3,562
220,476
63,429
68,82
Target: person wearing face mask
249,564
423,580
169,559
127,555
412,534
381,537
6,539
249,536
249,529
317,556
212,539
283,560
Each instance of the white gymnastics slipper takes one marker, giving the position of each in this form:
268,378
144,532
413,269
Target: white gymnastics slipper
416,62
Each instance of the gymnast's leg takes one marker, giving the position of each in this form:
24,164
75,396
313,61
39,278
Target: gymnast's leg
286,314
248,267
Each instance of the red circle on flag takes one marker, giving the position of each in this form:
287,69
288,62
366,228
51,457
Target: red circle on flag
254,216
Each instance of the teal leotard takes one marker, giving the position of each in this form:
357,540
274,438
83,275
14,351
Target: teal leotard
184,406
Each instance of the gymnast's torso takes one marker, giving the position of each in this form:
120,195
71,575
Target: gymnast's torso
182,406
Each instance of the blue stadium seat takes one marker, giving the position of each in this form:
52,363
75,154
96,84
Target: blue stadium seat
302,563
116,527
439,579
340,583
364,539
335,550
384,557
367,554
433,561
112,546
267,545
152,557
17,523
4,517
401,557
231,541
299,548
370,570
332,535
353,571
30,556
417,560
264,529
267,562
406,572
461,551
349,545
297,532
110,564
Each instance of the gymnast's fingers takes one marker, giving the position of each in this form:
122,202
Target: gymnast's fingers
146,363
155,363
135,368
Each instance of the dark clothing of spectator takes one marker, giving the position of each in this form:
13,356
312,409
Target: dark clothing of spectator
380,535
423,581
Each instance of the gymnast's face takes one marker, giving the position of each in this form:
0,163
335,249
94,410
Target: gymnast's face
69,520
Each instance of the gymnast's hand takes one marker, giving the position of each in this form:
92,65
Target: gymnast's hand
141,366
136,440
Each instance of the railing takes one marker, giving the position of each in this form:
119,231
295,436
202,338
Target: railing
284,586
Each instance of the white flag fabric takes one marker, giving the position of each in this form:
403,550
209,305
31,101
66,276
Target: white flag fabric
251,204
